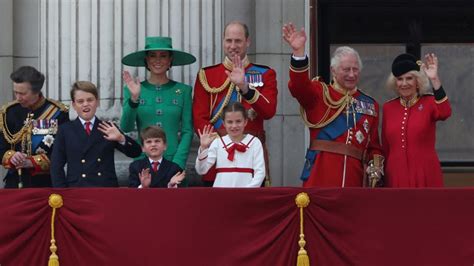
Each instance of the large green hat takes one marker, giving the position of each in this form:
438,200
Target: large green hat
158,44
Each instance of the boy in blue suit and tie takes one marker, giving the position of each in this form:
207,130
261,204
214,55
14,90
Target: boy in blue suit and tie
154,170
87,144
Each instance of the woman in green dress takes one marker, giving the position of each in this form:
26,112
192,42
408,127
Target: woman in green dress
159,100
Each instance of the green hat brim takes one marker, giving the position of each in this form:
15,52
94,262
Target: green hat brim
180,58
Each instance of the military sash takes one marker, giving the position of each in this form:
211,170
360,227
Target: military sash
363,105
44,127
254,77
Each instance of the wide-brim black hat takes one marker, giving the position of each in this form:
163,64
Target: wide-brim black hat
158,44
404,63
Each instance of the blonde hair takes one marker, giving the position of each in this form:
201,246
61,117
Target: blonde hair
422,82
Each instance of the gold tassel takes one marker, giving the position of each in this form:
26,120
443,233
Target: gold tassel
56,202
302,201
267,182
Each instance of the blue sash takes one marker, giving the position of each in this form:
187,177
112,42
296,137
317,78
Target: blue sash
336,128
233,98
37,139
253,73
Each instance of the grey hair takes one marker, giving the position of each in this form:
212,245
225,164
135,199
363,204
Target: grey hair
343,51
421,80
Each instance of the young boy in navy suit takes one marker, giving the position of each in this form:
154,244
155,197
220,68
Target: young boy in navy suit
154,170
87,145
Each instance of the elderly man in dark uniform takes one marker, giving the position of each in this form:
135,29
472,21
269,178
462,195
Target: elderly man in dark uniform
343,121
236,79
28,127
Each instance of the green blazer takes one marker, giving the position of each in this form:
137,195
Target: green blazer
168,106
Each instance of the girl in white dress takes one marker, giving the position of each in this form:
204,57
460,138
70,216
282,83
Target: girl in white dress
238,157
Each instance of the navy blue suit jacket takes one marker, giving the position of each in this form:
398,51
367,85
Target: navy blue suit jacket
90,159
166,171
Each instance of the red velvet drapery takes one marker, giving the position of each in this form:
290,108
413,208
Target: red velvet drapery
208,226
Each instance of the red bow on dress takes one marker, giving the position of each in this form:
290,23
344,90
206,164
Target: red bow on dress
233,148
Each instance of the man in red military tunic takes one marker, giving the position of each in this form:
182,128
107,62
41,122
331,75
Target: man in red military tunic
236,79
343,121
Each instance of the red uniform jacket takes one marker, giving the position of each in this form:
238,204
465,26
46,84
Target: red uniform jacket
408,138
328,169
211,94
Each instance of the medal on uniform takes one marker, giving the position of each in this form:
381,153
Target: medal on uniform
44,126
366,126
178,91
359,136
362,107
260,82
420,107
254,78
48,140
252,114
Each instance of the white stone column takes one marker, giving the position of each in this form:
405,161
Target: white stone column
6,57
6,50
86,40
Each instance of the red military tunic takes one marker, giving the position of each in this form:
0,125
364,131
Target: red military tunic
213,91
325,168
408,138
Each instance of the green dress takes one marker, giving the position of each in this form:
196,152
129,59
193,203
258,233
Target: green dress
168,106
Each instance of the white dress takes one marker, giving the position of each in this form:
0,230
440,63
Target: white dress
247,168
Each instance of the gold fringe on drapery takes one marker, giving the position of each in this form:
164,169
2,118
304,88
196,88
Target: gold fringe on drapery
302,201
56,202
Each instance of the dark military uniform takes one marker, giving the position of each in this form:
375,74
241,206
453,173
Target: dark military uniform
31,131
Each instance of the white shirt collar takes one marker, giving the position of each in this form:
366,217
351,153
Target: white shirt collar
83,122
159,160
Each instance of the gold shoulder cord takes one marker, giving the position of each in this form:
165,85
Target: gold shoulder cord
226,101
60,105
213,90
23,135
9,137
3,113
340,105
205,84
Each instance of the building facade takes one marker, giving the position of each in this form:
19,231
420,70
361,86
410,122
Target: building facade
73,40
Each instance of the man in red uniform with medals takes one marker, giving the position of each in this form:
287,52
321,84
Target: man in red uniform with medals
236,79
343,121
